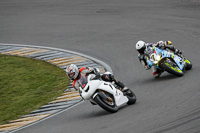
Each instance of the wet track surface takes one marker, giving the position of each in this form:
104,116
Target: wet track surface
108,31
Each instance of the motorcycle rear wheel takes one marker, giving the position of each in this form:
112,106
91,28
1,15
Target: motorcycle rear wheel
106,105
172,68
188,64
131,97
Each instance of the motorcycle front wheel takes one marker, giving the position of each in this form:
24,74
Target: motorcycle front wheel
108,105
172,68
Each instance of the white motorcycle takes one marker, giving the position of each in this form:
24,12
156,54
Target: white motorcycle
106,94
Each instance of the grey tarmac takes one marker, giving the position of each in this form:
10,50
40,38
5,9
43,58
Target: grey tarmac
108,30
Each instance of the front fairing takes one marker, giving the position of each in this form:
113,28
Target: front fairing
166,54
149,52
87,87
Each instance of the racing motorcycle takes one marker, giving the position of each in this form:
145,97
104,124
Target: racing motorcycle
166,60
105,94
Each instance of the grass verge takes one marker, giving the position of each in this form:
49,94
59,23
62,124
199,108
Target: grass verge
26,84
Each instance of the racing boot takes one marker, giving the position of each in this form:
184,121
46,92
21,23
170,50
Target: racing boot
123,88
110,78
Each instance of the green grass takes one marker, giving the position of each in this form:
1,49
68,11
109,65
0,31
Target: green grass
26,84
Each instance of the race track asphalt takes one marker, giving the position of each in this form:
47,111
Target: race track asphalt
108,30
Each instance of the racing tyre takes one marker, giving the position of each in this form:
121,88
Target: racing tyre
172,68
188,64
131,97
107,105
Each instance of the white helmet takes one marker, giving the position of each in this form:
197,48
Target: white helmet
140,46
72,71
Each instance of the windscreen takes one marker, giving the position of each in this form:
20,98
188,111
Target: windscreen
83,81
148,51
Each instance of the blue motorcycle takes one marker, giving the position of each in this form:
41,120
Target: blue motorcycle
166,60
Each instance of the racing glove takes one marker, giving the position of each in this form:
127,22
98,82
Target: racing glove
161,44
96,70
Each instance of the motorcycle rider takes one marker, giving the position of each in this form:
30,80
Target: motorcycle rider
74,74
141,47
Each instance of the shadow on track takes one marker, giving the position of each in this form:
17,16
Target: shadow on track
150,80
